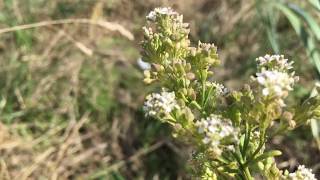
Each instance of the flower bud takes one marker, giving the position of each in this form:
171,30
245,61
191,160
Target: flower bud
184,91
169,42
177,127
190,76
157,67
192,94
188,114
246,88
146,73
179,67
177,45
316,112
188,67
261,166
148,80
193,51
181,102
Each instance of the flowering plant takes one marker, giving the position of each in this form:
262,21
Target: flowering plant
228,129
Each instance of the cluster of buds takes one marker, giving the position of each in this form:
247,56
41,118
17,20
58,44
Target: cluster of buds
174,63
217,132
168,40
204,56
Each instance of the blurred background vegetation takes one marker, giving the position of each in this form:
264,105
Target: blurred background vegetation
71,89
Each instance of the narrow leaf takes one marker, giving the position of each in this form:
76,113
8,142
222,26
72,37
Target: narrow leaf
312,23
266,155
307,40
315,4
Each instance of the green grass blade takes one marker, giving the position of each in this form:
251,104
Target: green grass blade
315,128
315,4
267,15
305,36
312,23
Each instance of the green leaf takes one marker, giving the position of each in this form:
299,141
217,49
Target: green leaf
307,39
269,19
315,4
315,123
312,23
315,128
266,155
242,138
291,16
273,40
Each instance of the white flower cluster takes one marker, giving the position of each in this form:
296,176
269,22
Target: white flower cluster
160,104
220,89
215,129
275,83
275,77
152,16
302,173
274,62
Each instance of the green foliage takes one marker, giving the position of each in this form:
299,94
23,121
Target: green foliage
227,129
304,24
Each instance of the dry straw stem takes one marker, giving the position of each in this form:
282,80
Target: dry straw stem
104,24
68,153
134,157
137,155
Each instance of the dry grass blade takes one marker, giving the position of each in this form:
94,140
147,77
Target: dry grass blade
70,137
107,25
4,172
83,48
135,156
38,161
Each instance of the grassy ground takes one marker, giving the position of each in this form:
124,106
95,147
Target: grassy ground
71,93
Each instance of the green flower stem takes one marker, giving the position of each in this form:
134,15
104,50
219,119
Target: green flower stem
247,139
261,143
207,97
203,84
195,104
247,174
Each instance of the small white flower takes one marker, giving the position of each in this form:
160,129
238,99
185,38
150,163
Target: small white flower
152,16
261,79
220,89
206,140
265,91
274,62
165,11
302,173
214,129
160,104
231,148
275,83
